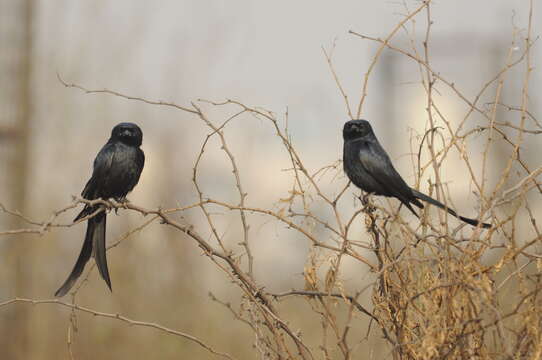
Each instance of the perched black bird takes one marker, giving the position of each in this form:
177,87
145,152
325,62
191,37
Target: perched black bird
369,167
117,168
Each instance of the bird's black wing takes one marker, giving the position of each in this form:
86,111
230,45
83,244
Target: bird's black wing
139,164
140,160
100,172
102,167
377,163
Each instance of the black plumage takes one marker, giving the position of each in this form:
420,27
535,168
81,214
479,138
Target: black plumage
117,168
369,167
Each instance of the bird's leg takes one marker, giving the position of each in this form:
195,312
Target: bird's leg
121,200
365,199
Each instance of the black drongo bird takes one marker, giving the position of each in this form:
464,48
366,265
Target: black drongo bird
117,168
369,167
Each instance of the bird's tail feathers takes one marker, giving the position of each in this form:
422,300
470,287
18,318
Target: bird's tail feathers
98,241
94,244
84,256
87,210
407,204
432,201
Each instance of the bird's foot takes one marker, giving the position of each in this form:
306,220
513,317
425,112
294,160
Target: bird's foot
121,200
366,202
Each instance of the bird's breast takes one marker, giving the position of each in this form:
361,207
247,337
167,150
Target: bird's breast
124,173
355,170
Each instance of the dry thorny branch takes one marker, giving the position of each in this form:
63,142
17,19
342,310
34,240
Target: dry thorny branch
434,292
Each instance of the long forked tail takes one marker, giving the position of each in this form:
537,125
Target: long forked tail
432,201
98,240
94,243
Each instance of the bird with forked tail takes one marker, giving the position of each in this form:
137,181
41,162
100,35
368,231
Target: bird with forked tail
369,167
116,172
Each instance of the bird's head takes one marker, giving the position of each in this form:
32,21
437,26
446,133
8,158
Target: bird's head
357,129
127,133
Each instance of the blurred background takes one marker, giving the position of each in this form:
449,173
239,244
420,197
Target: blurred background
262,53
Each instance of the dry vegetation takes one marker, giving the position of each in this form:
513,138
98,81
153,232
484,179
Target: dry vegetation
438,289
